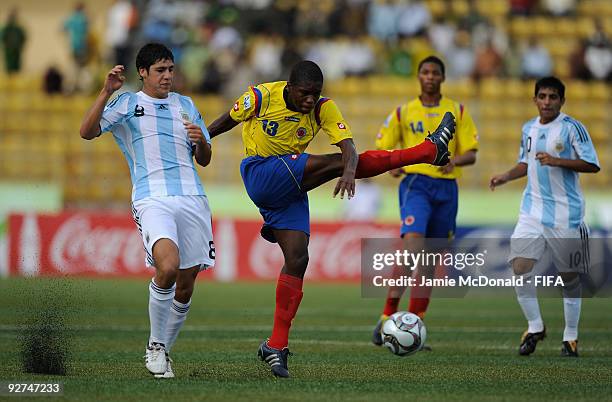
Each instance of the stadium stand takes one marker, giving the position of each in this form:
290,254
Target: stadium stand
39,138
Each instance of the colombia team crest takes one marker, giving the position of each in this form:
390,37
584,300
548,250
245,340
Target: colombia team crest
301,132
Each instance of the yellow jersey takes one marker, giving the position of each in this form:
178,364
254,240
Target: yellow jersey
270,128
409,124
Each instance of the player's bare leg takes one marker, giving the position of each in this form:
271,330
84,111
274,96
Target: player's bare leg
528,300
161,293
274,351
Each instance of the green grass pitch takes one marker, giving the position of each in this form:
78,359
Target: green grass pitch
474,343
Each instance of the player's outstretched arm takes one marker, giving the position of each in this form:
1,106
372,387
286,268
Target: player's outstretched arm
346,183
518,171
90,126
221,125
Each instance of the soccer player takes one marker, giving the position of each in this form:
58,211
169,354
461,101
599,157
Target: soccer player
280,119
554,149
159,133
428,195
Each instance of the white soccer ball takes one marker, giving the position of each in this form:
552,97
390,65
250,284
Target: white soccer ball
404,333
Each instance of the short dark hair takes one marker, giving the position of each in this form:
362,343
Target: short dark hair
550,82
151,53
305,71
433,59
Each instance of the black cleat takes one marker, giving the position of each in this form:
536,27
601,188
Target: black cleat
529,340
569,348
276,359
441,137
376,334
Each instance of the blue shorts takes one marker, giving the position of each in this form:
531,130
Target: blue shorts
273,184
428,206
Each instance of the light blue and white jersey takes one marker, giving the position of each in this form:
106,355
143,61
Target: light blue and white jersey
154,141
553,194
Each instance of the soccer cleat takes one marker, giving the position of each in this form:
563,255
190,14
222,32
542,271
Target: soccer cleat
529,340
569,348
155,358
441,137
169,373
376,334
275,358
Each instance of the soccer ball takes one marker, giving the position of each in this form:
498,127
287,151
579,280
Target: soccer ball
404,333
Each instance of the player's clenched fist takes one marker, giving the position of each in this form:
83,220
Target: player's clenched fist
195,134
114,79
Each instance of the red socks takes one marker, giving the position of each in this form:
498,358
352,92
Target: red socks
419,300
373,163
391,305
288,297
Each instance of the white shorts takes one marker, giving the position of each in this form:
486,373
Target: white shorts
185,220
569,247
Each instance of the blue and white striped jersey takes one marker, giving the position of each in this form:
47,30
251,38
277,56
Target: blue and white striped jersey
553,194
152,137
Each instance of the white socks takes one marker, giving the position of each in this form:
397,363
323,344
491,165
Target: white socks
572,290
528,300
177,316
159,309
572,302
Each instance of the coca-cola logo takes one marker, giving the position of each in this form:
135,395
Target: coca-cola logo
333,255
78,246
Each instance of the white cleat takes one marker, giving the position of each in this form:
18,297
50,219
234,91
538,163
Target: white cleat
169,373
155,358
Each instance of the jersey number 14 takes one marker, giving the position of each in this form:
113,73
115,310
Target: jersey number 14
418,128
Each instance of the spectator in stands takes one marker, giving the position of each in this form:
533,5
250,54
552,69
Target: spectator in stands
441,34
382,20
266,52
291,56
461,57
598,59
349,17
122,17
13,39
413,18
489,62
535,60
313,19
473,18
401,59
359,60
53,81
598,54
559,8
522,7
77,28
577,63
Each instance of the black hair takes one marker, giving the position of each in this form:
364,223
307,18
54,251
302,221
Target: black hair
150,54
306,71
550,82
433,59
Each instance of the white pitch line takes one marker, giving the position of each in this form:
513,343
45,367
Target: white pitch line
296,327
